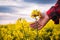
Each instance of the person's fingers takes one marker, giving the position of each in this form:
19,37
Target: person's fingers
34,25
39,27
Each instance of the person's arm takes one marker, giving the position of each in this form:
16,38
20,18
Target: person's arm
43,21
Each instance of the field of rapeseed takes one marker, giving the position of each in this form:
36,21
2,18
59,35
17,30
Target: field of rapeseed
21,30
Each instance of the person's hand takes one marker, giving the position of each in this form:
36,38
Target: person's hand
40,27
36,25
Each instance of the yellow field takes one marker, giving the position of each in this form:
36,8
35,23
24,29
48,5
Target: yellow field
21,30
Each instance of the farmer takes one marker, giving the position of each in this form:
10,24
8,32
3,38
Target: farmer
53,13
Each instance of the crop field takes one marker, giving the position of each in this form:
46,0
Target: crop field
21,30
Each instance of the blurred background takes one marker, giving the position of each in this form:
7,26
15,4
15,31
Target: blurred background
11,10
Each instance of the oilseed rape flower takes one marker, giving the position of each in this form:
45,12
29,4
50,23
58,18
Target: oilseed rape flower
35,13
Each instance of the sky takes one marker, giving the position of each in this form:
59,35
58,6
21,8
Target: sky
11,10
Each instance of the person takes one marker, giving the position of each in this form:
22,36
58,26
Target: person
53,13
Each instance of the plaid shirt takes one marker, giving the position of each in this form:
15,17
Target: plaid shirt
54,13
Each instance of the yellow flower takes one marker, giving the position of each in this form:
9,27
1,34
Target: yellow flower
35,13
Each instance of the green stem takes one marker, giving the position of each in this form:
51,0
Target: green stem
36,27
